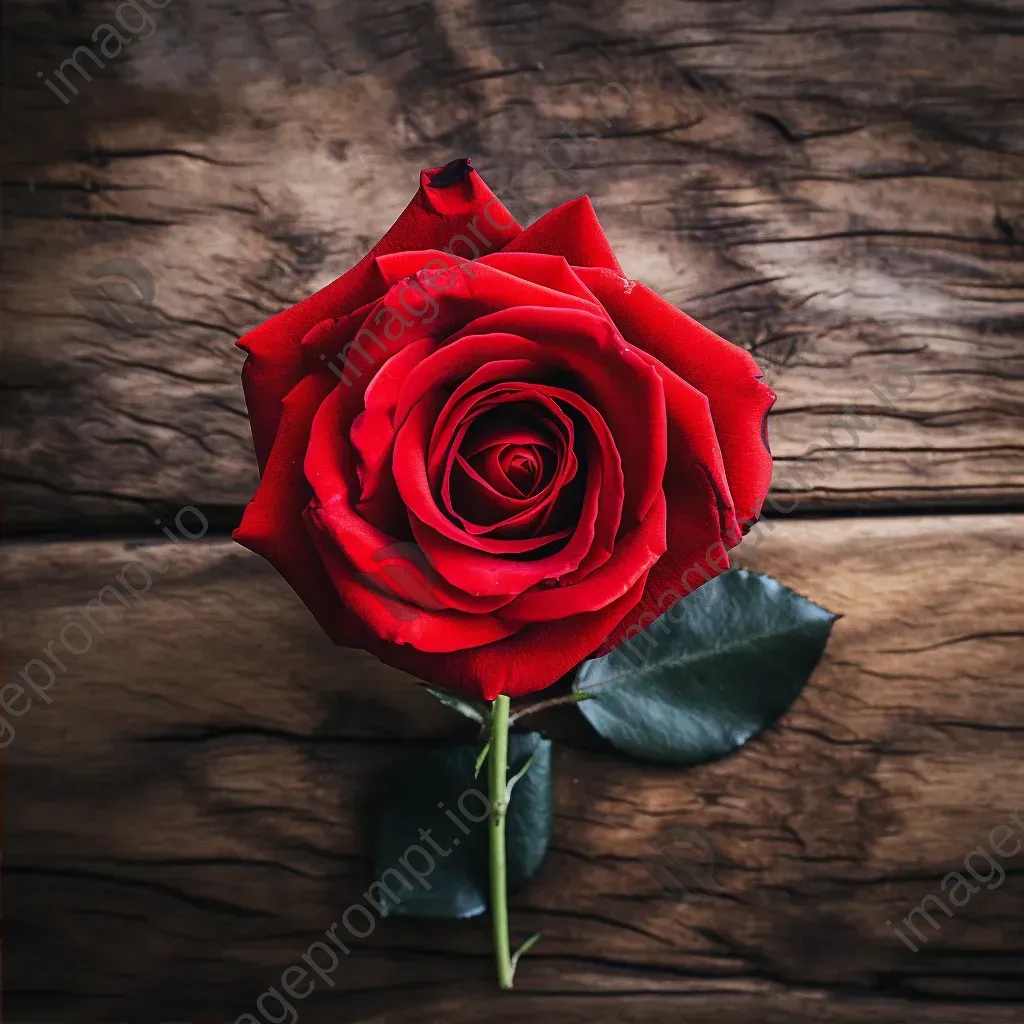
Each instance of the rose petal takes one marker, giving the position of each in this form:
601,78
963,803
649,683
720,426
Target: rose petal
527,661
633,556
372,435
552,272
620,382
495,371
518,511
725,373
396,621
695,554
447,201
571,230
272,523
330,468
453,551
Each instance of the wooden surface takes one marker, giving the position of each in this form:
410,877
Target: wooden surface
835,185
191,809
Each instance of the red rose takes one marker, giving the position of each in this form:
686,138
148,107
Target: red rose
484,450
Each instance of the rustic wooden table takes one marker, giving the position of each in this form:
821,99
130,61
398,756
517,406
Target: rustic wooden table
834,184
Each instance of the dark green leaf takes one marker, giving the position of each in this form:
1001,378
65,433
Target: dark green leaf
716,669
470,708
458,885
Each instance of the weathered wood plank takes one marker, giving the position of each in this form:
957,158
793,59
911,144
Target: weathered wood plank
191,810
837,187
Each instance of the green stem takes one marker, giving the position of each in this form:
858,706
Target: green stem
498,780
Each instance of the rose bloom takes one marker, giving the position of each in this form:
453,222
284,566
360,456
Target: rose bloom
485,453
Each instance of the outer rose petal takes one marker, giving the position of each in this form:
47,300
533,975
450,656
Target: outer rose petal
571,230
272,524
695,552
440,213
398,622
725,373
550,271
525,662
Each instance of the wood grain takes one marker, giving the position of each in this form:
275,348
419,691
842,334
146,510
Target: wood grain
835,186
192,809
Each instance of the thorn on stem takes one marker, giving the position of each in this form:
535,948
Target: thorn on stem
518,775
480,760
524,948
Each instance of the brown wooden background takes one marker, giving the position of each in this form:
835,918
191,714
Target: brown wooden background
836,185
